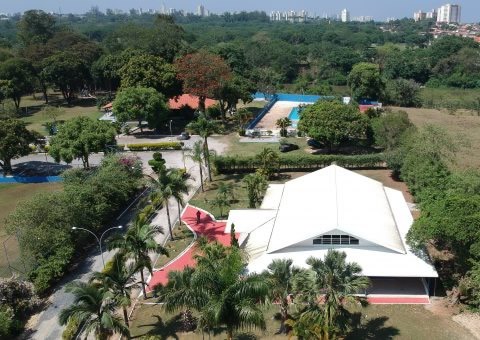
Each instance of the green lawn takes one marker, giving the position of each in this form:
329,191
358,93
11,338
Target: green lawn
376,322
183,237
10,196
31,110
203,199
234,147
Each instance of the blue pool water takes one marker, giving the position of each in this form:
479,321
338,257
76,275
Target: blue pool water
294,114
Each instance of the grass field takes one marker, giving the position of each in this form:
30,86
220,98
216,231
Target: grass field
31,110
234,147
10,196
376,322
462,128
448,97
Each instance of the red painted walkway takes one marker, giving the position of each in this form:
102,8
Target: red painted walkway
398,300
207,227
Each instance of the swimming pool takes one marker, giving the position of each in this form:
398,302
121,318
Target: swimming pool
294,114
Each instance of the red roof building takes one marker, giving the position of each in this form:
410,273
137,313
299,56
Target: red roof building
188,100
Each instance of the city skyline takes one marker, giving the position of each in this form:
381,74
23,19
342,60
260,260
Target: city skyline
374,8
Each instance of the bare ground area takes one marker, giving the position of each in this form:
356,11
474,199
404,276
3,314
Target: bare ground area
470,321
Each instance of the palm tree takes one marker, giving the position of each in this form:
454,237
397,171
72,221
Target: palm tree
120,280
234,301
336,281
268,160
137,243
205,127
256,185
196,155
280,273
226,189
180,187
168,184
221,202
180,293
283,124
95,308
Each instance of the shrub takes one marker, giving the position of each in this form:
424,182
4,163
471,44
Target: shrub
230,164
155,146
71,331
8,324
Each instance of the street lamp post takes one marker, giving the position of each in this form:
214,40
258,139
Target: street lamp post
171,134
99,240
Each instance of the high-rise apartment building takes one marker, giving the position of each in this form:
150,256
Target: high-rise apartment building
345,15
449,14
201,10
420,15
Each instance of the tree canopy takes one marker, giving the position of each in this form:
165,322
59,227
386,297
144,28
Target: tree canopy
332,123
79,137
141,104
203,74
14,142
366,82
150,71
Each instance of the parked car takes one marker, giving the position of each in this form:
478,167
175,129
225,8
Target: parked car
314,144
287,147
184,136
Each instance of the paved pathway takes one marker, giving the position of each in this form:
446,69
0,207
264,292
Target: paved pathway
213,230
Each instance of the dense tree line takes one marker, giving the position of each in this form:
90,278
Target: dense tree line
90,199
108,52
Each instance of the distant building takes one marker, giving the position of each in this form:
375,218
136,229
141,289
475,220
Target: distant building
363,18
449,14
201,11
420,15
432,14
345,15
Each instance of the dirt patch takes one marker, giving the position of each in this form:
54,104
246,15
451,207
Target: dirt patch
441,307
470,321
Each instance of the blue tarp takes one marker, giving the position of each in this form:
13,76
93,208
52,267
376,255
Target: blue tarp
32,179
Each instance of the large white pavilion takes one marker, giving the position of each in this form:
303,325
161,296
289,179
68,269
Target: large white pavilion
340,209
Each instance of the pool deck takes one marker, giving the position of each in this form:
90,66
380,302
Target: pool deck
281,109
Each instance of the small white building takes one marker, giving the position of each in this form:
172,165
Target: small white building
340,209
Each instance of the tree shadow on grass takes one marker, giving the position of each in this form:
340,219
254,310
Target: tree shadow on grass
373,329
163,329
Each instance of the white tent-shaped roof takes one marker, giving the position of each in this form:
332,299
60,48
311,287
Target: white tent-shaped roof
331,201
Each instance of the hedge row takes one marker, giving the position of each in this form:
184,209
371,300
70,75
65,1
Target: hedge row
155,146
229,164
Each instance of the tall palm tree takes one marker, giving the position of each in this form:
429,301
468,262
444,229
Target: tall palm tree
180,187
280,273
234,301
165,187
180,293
94,307
137,243
336,281
196,155
205,127
120,280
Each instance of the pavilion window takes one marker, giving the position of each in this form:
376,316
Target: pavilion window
335,240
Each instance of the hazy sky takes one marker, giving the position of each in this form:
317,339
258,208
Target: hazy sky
379,9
